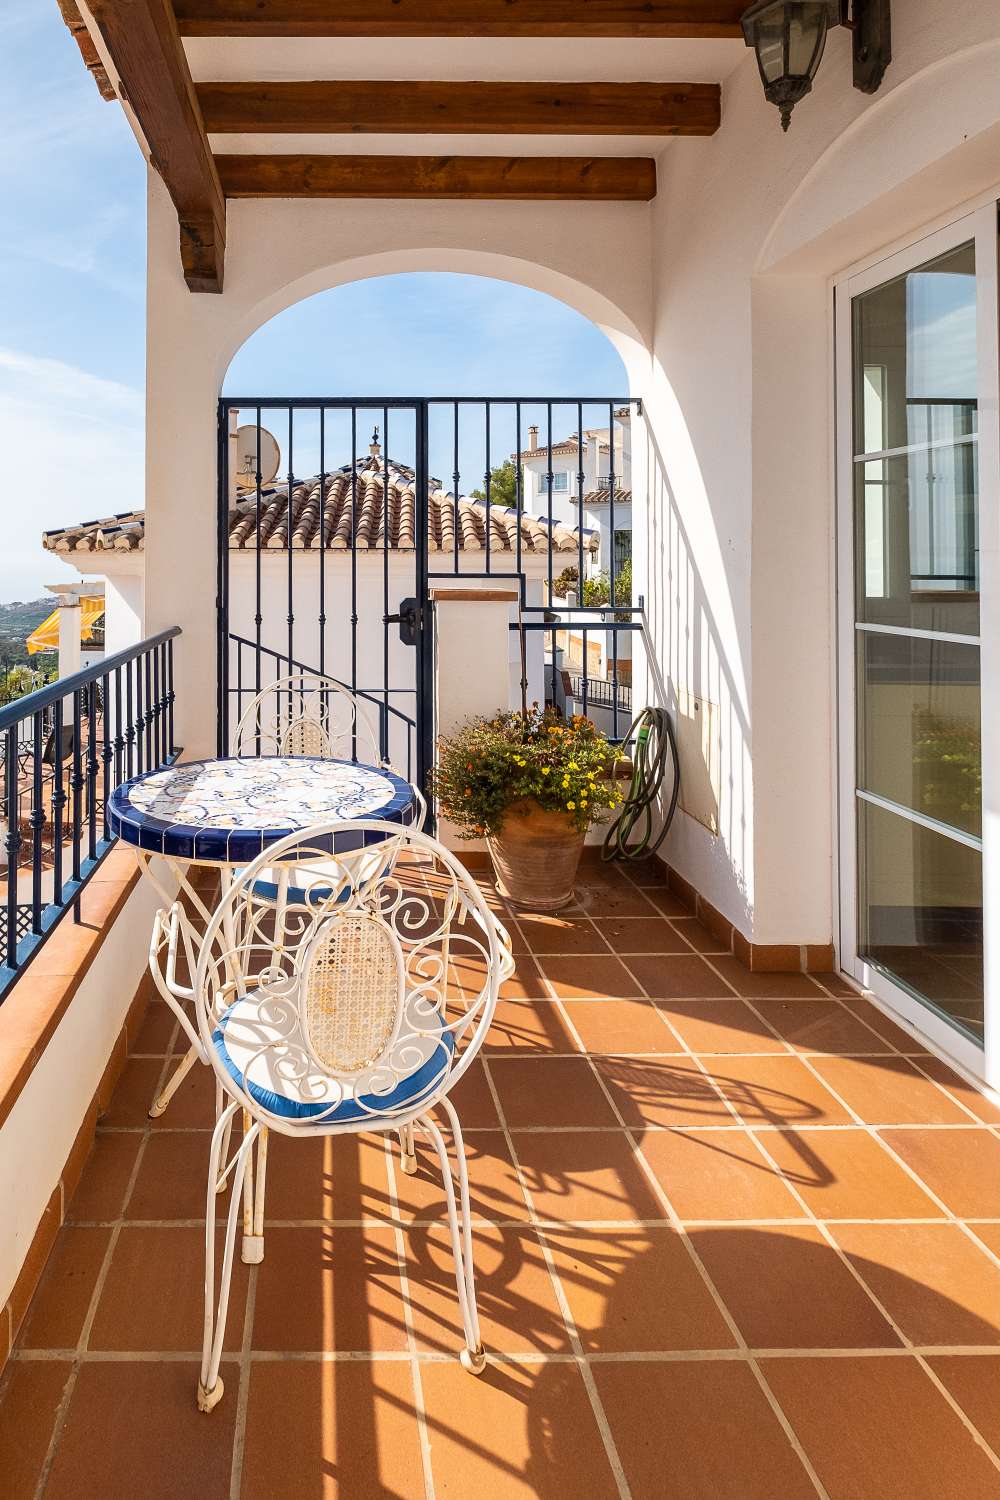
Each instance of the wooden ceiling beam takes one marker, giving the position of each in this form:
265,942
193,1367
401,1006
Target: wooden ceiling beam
144,45
529,178
463,18
356,106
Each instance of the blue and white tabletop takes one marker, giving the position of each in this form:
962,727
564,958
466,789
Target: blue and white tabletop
230,810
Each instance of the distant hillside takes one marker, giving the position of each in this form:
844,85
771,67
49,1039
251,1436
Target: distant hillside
17,621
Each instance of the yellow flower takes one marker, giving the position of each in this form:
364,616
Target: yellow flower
571,805
546,770
565,781
573,766
583,801
592,775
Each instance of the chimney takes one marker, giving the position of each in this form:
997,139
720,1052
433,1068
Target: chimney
533,439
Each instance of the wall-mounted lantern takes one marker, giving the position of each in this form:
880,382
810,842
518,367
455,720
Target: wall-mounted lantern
788,37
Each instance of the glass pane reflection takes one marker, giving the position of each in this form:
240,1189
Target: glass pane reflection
919,726
920,917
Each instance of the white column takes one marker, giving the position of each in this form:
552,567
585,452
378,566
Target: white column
472,674
123,611
70,650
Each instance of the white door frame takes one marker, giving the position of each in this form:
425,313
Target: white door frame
980,226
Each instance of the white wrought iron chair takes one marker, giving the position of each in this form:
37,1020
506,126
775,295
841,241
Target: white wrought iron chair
354,1010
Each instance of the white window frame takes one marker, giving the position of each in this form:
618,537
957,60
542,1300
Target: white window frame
979,225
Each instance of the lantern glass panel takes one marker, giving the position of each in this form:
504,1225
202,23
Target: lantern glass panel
806,34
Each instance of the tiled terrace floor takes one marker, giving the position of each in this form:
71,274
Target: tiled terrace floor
738,1238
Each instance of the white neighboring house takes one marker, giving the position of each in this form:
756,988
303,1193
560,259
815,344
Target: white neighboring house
602,452
114,549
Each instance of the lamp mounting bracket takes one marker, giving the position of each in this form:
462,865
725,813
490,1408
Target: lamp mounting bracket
871,27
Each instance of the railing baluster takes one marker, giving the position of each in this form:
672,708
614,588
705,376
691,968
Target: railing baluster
58,802
77,783
37,823
13,843
106,751
93,767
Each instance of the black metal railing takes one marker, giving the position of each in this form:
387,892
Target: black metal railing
599,692
529,488
85,734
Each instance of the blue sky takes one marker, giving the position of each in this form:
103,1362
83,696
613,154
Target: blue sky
72,314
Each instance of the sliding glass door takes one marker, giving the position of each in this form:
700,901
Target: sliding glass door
916,419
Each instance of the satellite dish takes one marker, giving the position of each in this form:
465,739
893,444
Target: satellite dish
247,439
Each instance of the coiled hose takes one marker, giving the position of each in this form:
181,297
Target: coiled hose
654,746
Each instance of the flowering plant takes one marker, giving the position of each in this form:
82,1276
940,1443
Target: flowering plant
486,766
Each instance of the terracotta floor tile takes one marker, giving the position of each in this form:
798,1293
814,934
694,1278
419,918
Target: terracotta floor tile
576,978
172,1180
550,1091
669,903
845,1174
331,1177
473,1099
788,1289
662,1091
714,1438
518,1310
557,934
519,1432
880,1022
974,1382
760,982
894,1433
635,1289
579,1175
965,1093
648,873
153,1296
888,1091
30,1393
526,983
619,898
697,935
157,1032
105,1179
931,1278
837,984
136,1428
719,1026
820,1026
717,1174
620,1026
961,1166
682,976
529,1026
193,1105
61,1302
346,1295
776,1091
351,1427
135,1092
494,1186
641,935
990,1236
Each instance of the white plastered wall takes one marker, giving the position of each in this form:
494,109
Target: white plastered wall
750,228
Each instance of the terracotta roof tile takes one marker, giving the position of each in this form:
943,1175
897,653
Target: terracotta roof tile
377,496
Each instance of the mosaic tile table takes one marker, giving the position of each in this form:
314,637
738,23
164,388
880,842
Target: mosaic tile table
224,813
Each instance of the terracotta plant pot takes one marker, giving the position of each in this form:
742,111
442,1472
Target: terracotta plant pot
536,855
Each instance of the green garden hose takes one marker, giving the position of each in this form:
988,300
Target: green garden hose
654,746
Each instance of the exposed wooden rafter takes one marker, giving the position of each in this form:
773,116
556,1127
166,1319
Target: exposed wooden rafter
351,106
390,18
70,13
594,179
144,45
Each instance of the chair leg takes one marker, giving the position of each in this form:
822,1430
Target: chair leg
182,1070
252,1246
220,1105
473,1356
210,1387
407,1152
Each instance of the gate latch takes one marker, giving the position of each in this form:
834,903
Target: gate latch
409,620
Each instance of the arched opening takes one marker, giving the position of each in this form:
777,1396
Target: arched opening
392,433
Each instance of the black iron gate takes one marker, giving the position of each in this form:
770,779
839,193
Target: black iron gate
332,531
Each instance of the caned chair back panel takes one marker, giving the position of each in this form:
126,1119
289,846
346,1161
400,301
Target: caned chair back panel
357,1005
307,714
351,992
